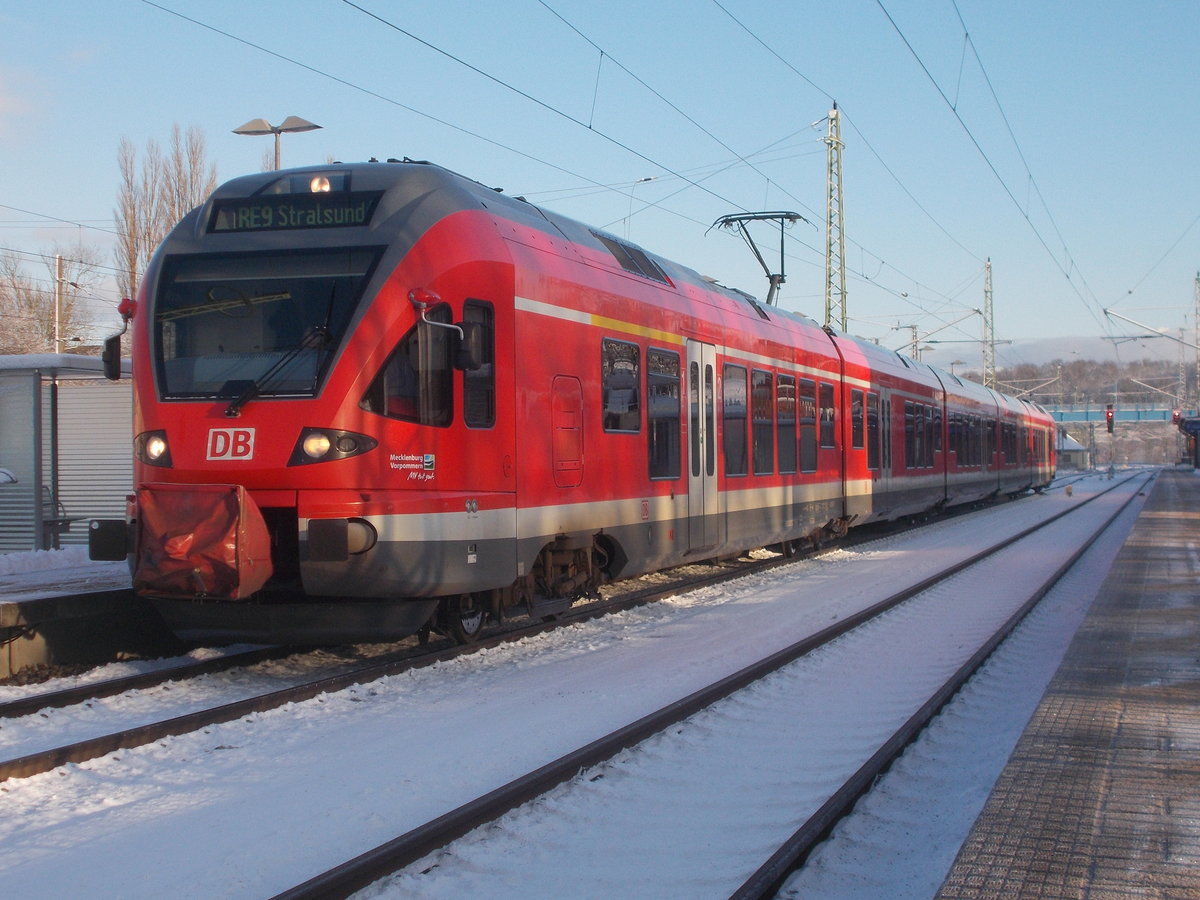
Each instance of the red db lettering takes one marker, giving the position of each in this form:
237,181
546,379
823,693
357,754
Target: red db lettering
230,443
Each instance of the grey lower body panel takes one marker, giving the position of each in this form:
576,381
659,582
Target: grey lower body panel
331,622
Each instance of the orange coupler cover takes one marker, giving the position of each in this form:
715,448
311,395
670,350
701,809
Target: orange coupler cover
200,540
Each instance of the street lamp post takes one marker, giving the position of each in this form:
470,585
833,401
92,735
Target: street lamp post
290,125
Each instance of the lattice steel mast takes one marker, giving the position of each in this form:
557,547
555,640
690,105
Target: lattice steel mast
835,240
1195,394
989,332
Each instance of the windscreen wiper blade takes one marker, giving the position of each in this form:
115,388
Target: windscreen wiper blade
317,338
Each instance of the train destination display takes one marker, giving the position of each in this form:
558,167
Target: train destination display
294,211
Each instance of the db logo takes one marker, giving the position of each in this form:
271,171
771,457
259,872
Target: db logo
230,443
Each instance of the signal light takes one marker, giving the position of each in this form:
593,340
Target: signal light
1108,417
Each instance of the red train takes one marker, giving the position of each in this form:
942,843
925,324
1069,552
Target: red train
373,398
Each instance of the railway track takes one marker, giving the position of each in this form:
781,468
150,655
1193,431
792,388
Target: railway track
630,592
406,657
403,658
420,842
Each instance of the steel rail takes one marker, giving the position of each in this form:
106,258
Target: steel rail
91,748
363,870
24,706
768,880
96,690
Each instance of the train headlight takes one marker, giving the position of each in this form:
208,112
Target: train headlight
150,447
325,444
316,444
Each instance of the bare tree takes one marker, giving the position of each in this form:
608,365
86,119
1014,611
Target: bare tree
28,303
151,201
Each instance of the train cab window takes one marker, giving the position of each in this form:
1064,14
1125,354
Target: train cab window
857,432
762,428
620,378
416,383
733,410
808,425
254,324
872,431
479,385
662,410
828,417
785,419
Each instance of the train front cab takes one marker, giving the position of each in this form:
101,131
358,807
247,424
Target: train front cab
384,438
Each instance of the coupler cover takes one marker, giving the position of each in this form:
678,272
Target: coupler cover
200,541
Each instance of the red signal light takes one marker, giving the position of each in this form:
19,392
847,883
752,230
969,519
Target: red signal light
1108,417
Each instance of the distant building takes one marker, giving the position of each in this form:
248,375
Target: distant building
1071,453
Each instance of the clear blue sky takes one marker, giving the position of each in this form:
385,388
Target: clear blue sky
1094,205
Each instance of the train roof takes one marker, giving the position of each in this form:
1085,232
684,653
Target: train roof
426,192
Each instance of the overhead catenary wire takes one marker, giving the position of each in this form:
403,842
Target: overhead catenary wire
670,170
1091,305
313,69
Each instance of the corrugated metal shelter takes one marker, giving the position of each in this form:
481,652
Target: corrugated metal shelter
65,435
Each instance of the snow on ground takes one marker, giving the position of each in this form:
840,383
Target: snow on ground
903,836
251,807
39,573
698,808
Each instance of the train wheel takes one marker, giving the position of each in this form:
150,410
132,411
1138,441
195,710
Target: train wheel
463,618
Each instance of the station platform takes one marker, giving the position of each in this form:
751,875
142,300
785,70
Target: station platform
69,611
1101,797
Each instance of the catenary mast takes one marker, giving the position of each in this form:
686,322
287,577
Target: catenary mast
835,240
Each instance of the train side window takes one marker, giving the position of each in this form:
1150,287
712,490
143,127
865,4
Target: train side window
733,411
620,377
872,431
785,418
416,383
856,419
662,410
479,385
694,421
926,436
710,421
910,434
828,417
808,425
885,434
762,429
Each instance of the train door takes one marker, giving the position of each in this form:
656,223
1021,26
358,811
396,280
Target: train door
879,440
704,506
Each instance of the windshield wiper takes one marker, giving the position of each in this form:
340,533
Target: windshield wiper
316,338
215,305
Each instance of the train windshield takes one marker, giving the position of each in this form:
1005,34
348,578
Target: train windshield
248,325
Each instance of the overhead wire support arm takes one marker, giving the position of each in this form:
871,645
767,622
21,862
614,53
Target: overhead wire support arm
1150,332
784,218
